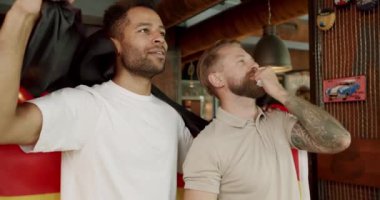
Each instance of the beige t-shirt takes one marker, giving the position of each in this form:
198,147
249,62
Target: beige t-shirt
244,159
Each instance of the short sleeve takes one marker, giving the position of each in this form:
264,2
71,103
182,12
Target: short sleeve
185,140
201,168
69,117
288,121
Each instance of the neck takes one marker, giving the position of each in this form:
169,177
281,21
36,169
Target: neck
242,107
134,83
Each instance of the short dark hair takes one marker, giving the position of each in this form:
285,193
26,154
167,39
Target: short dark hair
115,14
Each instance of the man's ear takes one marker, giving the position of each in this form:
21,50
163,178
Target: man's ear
117,44
216,79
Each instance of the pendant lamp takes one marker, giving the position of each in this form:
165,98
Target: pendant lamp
271,50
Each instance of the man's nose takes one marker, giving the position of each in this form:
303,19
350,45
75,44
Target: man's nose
255,65
159,38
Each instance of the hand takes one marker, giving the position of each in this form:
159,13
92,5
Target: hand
269,81
32,7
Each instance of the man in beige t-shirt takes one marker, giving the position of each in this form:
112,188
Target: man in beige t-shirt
245,154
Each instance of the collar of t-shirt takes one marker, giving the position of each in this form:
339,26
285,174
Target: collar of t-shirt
237,122
118,90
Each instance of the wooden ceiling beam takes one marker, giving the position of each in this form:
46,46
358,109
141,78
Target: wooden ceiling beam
173,12
296,30
238,21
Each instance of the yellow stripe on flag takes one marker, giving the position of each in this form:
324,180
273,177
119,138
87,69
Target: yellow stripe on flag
180,192
300,188
54,196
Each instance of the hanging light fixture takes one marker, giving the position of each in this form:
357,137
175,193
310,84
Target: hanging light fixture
271,50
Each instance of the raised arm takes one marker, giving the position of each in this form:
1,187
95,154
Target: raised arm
316,130
18,124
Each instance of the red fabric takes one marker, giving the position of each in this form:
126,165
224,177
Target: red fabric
28,174
180,182
278,107
296,162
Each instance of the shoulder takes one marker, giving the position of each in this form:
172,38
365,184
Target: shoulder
204,140
275,115
165,108
276,121
78,90
95,89
80,96
207,135
99,92
205,148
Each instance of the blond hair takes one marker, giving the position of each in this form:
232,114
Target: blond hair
208,60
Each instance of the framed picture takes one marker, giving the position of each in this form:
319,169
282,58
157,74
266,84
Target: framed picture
344,89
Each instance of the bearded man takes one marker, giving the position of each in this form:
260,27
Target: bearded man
244,153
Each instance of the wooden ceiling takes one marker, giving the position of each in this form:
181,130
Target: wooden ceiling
245,19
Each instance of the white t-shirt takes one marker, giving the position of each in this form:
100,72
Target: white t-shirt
116,144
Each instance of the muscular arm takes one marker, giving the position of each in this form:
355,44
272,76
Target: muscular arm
18,124
199,195
317,130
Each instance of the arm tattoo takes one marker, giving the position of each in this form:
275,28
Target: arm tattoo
316,130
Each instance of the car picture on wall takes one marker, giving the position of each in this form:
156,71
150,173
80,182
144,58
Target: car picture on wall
344,89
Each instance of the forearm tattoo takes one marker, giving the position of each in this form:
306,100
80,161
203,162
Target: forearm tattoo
317,130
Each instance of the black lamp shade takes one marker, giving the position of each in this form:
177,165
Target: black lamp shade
271,51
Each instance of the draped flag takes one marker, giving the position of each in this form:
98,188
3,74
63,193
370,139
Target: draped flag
301,163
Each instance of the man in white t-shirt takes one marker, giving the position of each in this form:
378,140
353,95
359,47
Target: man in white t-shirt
118,141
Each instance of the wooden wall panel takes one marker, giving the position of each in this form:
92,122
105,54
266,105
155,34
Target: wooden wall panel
350,48
330,190
357,165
